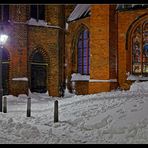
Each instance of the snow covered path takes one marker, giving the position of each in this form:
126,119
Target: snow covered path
114,117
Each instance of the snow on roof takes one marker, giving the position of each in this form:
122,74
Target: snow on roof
130,6
79,11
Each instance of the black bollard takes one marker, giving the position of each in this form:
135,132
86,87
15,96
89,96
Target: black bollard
5,105
56,111
29,107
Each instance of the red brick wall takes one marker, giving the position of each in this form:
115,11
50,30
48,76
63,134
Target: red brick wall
113,42
28,38
108,32
81,87
99,43
17,41
95,87
103,47
49,39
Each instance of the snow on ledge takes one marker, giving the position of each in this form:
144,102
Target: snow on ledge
110,80
42,23
20,79
79,77
33,21
134,77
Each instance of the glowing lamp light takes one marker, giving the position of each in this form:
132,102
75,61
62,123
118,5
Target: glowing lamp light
3,39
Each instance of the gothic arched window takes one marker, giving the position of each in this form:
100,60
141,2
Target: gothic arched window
83,52
4,13
140,49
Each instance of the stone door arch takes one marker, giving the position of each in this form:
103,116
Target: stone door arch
38,73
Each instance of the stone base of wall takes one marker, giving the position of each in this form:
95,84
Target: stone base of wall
97,87
81,87
126,85
19,87
114,85
85,87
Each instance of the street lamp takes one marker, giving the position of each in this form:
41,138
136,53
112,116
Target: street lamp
3,39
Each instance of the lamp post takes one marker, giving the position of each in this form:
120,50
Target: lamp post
3,39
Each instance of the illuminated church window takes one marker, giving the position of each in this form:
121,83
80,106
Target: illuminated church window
83,52
140,49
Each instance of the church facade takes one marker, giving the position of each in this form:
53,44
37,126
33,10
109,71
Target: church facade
85,48
107,47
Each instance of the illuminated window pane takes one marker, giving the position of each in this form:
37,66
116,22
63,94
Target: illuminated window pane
85,44
136,53
140,49
85,34
145,68
136,68
83,52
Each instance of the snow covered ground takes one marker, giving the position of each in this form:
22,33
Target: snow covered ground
103,118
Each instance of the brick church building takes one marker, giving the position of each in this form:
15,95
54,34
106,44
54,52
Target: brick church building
85,48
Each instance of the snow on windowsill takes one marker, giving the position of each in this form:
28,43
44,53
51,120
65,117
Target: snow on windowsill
33,21
134,77
43,23
79,77
20,79
39,23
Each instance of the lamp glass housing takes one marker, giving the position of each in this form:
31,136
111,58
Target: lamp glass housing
3,39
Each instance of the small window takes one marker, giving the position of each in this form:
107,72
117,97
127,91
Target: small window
38,12
83,52
41,12
34,11
4,13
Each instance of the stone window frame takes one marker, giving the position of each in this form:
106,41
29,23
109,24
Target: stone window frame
82,28
140,21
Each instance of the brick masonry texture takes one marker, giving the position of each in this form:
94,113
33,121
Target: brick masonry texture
24,40
110,57
110,48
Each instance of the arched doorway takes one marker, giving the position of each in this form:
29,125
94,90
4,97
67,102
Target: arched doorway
38,73
5,71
